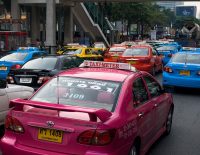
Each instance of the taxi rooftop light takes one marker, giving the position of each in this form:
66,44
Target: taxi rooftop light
27,48
101,64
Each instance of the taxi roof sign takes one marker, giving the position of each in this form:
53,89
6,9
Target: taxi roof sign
112,65
28,48
189,48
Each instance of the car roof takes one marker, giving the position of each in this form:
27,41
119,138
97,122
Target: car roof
98,73
141,46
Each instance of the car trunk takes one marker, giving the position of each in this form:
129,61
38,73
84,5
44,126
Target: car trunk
27,76
184,69
135,60
54,127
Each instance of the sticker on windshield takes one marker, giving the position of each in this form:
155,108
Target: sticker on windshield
96,85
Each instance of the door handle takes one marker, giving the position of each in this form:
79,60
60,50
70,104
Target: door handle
140,115
155,105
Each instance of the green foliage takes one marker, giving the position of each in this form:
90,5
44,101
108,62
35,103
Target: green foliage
147,13
182,20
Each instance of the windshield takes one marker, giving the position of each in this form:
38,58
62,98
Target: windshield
99,46
80,92
41,63
14,57
136,52
166,48
186,58
117,49
69,50
78,51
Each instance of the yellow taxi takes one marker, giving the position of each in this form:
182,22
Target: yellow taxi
69,48
87,53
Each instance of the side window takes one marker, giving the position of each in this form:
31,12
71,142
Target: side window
68,63
140,94
43,54
94,52
87,52
154,52
36,55
153,86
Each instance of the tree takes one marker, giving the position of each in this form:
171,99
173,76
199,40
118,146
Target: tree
145,15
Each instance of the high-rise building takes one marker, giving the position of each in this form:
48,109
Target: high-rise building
169,4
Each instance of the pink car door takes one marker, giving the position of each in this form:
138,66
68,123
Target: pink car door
145,112
159,100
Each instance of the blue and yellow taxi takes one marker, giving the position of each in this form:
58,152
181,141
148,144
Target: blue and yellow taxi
183,70
19,57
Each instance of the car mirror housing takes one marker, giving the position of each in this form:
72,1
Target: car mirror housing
3,84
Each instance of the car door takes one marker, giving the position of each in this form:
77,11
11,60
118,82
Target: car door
4,105
159,100
144,110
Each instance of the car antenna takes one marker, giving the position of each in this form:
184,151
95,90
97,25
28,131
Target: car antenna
58,99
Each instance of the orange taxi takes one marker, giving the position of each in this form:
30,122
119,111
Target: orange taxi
142,57
114,52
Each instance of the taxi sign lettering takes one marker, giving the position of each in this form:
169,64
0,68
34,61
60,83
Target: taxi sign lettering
101,64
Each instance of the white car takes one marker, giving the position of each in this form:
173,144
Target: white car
10,92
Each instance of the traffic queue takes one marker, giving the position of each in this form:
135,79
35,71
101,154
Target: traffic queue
95,101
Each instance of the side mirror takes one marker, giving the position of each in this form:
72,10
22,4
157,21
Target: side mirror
3,84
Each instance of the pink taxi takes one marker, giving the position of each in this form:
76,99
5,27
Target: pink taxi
100,108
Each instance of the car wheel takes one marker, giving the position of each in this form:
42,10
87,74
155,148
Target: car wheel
134,150
168,124
153,72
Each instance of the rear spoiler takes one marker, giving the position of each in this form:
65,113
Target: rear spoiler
102,114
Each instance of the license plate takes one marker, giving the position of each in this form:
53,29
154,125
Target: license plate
132,62
50,135
115,56
25,80
3,68
185,73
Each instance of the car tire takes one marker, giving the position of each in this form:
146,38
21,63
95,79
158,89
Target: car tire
134,150
153,72
168,123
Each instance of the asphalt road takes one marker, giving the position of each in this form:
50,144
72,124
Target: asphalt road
185,135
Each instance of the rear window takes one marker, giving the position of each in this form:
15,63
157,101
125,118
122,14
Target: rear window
41,63
186,58
166,48
117,49
14,57
136,52
80,92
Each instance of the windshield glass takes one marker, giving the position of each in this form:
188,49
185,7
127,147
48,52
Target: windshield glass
166,48
41,63
186,58
99,46
69,50
136,52
80,92
117,49
78,51
14,57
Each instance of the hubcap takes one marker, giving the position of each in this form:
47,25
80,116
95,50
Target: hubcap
133,151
